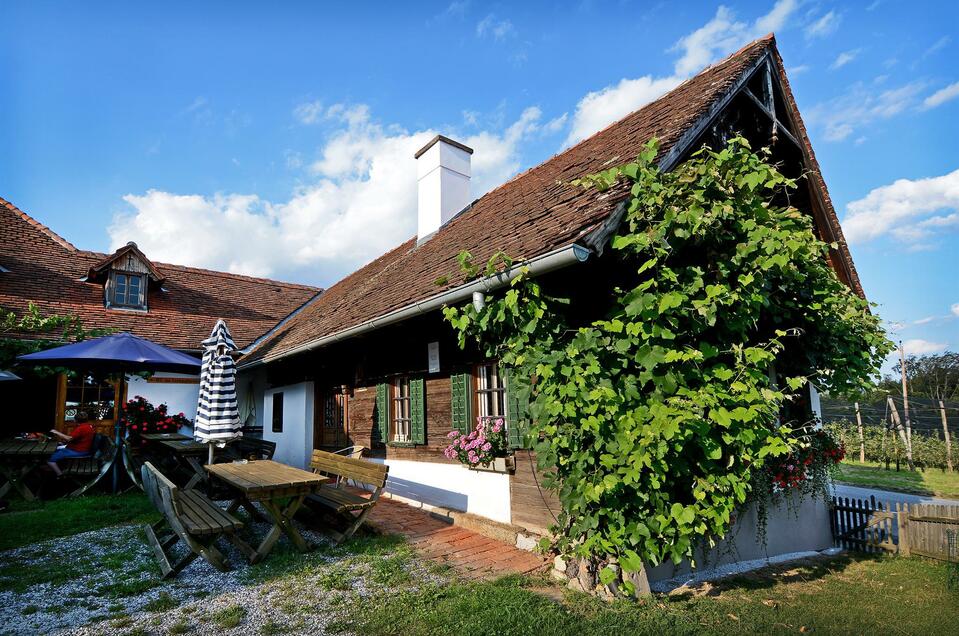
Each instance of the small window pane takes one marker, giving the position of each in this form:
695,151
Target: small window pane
133,291
120,289
490,392
401,410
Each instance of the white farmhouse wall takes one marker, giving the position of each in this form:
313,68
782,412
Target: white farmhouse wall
450,486
794,527
250,389
179,398
294,445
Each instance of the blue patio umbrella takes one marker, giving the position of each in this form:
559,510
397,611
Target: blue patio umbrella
116,353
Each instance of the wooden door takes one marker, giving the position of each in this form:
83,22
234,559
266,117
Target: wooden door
332,425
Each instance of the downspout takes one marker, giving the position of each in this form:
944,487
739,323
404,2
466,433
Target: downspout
537,266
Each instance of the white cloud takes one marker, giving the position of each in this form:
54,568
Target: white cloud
912,211
309,112
723,34
924,321
955,309
918,347
825,25
793,71
861,106
360,203
844,58
498,29
937,46
599,108
941,96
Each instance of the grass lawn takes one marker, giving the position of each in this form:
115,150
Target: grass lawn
845,595
30,522
379,586
931,482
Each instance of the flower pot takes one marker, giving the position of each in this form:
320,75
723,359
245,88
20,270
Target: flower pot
498,465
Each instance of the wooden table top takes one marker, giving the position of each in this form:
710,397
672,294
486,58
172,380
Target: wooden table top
160,437
265,475
27,447
188,446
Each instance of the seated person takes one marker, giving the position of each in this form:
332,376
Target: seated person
80,444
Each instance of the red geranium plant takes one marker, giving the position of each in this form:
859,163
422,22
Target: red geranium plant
141,417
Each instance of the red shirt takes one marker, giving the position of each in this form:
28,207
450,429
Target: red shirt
82,439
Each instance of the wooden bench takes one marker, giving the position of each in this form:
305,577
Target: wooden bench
188,516
87,471
340,501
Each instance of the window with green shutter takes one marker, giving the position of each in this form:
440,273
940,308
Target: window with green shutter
517,413
460,384
418,410
382,430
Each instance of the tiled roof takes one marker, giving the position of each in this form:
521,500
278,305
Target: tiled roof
534,213
49,271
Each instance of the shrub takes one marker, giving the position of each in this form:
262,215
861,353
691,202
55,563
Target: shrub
141,418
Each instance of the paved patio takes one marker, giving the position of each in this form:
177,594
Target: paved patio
469,553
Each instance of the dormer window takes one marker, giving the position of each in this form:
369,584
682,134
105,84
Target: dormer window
127,290
127,277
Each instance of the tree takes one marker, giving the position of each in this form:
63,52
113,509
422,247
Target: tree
932,376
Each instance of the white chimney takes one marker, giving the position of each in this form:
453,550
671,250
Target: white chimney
443,180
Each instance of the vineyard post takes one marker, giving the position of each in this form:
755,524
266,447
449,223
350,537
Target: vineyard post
862,442
905,402
945,432
902,432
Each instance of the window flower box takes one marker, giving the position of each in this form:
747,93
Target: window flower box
484,448
505,465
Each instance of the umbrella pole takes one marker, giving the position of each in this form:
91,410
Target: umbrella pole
210,460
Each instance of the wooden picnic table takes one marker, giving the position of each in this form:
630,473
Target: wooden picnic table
18,458
269,482
163,437
190,454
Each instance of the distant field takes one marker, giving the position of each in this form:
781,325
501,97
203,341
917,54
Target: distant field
931,482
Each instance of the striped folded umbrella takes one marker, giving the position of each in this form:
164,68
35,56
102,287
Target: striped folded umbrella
217,416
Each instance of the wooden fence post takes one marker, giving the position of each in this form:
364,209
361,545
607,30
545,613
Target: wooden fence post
945,432
902,521
862,442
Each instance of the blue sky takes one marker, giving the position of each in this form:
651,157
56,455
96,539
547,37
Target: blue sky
293,124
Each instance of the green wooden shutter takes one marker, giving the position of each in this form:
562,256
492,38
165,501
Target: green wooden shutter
418,410
462,413
517,412
382,431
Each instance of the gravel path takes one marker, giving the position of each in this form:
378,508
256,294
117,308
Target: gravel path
107,582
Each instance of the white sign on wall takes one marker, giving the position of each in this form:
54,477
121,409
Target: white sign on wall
433,350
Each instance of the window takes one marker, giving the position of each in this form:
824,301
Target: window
402,410
278,412
93,396
490,391
126,290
